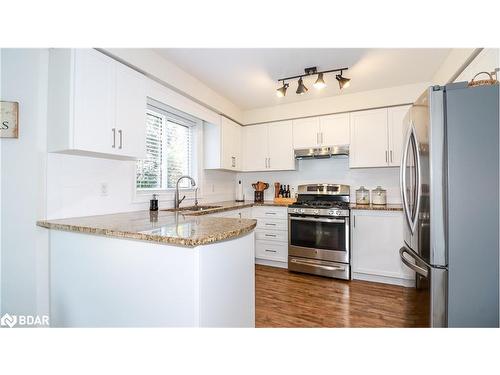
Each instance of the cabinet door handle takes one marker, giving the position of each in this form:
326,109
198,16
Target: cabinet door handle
391,156
386,159
269,162
120,133
233,161
114,137
270,251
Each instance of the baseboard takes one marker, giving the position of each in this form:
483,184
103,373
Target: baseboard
271,263
383,279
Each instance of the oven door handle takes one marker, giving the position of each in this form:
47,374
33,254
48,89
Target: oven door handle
311,264
323,220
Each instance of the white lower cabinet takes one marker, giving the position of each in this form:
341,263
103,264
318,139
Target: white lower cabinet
242,213
271,250
376,237
271,235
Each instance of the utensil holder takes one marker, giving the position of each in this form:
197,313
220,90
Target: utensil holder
259,196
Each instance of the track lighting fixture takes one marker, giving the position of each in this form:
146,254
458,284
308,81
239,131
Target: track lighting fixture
281,92
319,84
343,82
301,88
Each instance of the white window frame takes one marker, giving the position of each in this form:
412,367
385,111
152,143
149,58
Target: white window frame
195,125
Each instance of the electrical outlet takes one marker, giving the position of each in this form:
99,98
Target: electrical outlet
104,189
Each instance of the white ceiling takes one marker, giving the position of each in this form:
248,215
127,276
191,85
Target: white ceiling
248,77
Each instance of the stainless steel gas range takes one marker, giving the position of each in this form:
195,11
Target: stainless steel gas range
318,231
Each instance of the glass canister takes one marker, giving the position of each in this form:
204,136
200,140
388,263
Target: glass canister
379,196
362,196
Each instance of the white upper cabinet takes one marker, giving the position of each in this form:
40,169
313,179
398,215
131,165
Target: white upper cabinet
369,139
96,105
93,100
334,130
306,132
130,112
268,147
281,155
377,137
231,145
397,133
255,147
321,131
223,145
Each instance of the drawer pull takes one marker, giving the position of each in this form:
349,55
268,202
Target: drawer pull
270,235
272,224
270,213
270,251
311,264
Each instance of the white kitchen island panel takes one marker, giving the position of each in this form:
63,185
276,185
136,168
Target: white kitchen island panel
98,281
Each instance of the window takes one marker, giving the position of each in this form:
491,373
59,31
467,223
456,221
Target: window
169,149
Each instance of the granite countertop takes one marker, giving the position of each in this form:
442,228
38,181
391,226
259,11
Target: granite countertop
173,228
376,207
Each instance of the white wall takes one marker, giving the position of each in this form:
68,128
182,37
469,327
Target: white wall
24,246
341,103
486,61
74,187
333,170
456,61
171,75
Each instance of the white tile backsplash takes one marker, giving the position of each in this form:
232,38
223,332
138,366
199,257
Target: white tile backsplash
333,170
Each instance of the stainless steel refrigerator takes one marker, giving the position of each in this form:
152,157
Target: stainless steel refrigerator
449,179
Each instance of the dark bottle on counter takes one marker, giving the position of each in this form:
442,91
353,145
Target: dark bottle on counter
287,193
280,195
153,203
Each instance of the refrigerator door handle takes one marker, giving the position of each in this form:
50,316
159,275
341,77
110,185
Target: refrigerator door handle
402,178
420,266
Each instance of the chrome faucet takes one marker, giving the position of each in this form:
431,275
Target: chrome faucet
178,201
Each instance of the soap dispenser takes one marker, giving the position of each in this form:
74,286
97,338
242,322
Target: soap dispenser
153,203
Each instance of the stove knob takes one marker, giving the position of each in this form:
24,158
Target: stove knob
302,210
316,212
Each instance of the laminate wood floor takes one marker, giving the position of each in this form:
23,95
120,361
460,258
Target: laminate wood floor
288,299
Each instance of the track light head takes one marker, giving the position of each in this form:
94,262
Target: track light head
343,82
320,82
301,89
281,92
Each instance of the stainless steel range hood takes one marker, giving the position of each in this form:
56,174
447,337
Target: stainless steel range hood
321,152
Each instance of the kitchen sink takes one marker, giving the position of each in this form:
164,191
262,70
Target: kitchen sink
193,208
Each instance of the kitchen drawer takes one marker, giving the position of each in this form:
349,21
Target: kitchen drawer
272,224
271,235
237,214
271,250
270,212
